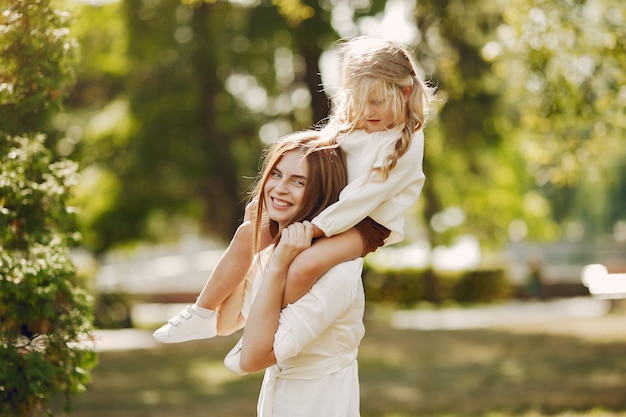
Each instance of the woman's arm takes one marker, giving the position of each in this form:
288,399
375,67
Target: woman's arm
258,336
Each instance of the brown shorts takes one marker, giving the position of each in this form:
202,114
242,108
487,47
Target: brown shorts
372,233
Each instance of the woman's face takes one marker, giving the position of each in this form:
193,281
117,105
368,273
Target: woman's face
284,189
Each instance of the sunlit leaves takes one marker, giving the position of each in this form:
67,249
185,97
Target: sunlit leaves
43,312
294,11
35,65
567,60
564,63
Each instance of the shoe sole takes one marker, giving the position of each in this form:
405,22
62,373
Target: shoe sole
181,339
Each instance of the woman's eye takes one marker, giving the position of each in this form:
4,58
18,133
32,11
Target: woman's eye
275,174
300,183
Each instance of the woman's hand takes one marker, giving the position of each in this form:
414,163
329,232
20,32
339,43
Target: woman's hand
293,239
257,350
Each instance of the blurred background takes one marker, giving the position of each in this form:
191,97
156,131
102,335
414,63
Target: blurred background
525,160
175,99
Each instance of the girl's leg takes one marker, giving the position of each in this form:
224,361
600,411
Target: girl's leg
315,261
199,321
233,265
229,271
230,319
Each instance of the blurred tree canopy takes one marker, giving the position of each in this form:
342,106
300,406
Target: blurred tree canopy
176,98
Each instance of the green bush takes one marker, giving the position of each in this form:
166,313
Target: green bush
407,287
402,286
482,286
44,312
112,311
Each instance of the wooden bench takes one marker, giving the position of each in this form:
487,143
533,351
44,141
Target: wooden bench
605,285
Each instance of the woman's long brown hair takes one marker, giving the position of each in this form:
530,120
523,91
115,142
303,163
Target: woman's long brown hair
326,178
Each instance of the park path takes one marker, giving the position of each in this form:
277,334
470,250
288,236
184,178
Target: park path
511,313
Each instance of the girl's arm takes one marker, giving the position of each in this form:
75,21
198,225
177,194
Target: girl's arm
385,201
258,337
312,263
364,194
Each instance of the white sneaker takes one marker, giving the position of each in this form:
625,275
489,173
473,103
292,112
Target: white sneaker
232,359
187,325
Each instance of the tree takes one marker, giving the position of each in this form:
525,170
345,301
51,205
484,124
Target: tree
192,85
528,133
476,179
43,310
571,124
202,83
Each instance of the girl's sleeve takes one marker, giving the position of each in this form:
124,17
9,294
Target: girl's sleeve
365,194
303,321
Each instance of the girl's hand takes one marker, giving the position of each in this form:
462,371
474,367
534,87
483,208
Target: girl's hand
251,208
294,239
248,218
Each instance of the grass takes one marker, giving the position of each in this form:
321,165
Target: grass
565,368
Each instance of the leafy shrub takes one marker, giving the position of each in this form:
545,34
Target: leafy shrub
482,286
44,313
407,286
112,311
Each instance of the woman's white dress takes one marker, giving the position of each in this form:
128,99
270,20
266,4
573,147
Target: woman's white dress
316,346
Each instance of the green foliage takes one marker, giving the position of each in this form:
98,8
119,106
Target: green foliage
44,313
34,193
37,54
171,97
527,133
113,311
529,130
409,286
482,286
571,126
470,160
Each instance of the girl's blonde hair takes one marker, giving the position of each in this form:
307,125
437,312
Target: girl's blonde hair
377,69
326,178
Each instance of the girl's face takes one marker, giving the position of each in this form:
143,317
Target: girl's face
379,113
284,189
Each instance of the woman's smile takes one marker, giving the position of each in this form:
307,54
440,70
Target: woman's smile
280,203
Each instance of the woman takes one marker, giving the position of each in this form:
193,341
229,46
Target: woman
309,347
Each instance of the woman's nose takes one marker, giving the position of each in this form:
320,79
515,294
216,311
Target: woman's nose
281,186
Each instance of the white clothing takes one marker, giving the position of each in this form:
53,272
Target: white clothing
367,194
315,345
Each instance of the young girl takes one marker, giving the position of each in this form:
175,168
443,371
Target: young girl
309,347
377,118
